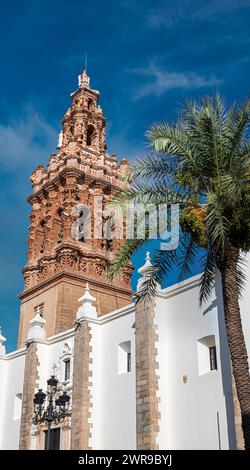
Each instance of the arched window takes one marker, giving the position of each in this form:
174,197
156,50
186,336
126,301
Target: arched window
58,228
90,104
90,135
207,357
124,357
42,235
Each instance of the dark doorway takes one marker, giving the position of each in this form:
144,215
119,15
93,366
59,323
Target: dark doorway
54,439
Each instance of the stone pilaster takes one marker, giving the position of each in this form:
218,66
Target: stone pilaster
81,393
29,389
147,401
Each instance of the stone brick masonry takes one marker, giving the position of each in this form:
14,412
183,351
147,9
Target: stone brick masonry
59,297
29,387
147,412
81,395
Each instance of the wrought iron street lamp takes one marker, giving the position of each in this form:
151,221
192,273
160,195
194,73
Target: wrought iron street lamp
50,406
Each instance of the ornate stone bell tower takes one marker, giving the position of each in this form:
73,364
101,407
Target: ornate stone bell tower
59,264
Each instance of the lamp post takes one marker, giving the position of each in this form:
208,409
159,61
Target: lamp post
50,406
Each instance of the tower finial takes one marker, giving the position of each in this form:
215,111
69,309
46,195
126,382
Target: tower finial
86,308
37,331
83,79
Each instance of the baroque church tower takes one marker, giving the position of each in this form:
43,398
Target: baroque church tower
59,263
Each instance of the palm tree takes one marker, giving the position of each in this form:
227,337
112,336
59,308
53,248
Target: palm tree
203,164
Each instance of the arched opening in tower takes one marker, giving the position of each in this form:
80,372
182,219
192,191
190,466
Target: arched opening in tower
90,104
42,235
90,135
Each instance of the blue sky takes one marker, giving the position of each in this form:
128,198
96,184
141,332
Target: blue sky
145,57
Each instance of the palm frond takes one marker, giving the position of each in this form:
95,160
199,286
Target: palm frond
204,157
158,192
217,224
187,256
123,256
239,124
153,166
170,139
163,263
241,277
208,276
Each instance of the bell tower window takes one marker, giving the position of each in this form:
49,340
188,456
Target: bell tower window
60,226
90,135
42,230
90,104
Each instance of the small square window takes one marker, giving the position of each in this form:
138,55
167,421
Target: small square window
124,357
129,362
213,358
67,369
207,354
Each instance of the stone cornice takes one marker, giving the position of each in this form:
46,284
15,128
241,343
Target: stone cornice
14,354
106,318
87,90
72,277
83,251
77,171
179,288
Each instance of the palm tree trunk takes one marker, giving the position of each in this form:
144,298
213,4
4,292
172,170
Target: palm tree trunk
235,336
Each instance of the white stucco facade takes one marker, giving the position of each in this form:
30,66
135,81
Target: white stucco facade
196,409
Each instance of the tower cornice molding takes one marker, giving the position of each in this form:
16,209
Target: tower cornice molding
67,276
85,89
77,172
85,113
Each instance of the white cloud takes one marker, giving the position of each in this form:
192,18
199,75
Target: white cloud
166,16
158,81
171,15
25,140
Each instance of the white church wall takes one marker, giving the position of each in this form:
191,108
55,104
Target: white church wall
115,425
11,389
195,403
196,409
52,357
51,362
